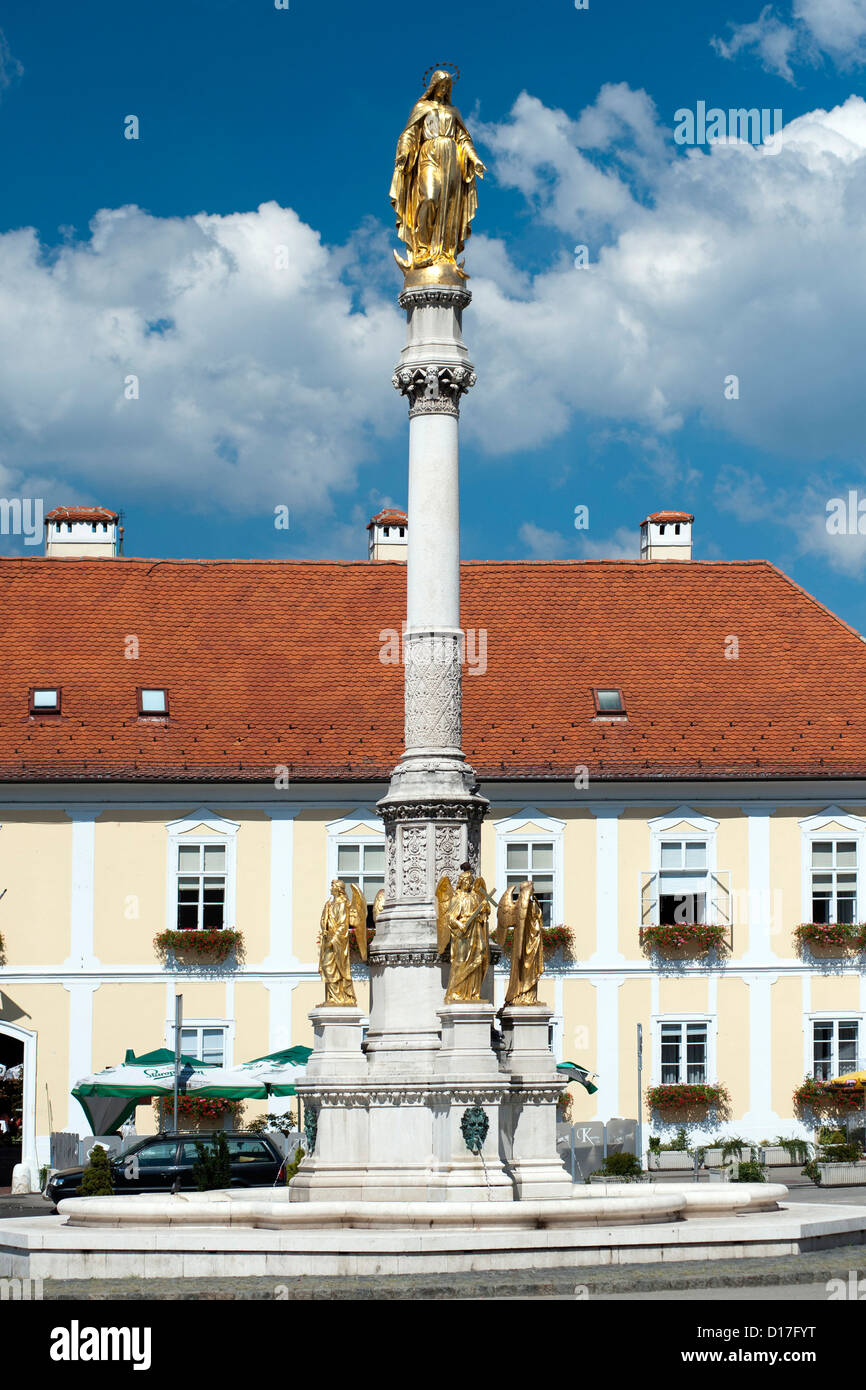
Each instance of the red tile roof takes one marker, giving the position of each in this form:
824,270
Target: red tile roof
391,516
81,514
278,664
667,516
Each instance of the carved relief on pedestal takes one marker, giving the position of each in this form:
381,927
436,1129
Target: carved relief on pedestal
433,690
473,843
391,861
413,861
449,851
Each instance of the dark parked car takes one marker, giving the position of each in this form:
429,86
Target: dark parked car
165,1161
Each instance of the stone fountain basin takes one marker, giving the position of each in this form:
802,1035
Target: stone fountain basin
271,1209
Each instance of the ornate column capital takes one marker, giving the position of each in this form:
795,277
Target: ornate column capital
433,390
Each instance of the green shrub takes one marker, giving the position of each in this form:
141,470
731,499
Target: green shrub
730,1144
750,1171
796,1149
622,1166
839,1153
678,1145
826,1135
810,1170
96,1178
213,1166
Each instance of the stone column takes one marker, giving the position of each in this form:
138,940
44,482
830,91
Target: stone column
432,811
405,1140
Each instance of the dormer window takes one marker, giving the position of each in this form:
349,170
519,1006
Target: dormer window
153,701
45,700
609,701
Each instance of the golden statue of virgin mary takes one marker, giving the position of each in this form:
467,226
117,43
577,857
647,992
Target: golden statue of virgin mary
433,189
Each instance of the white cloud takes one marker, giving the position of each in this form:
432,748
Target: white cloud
552,545
541,544
10,68
262,386
805,511
624,544
773,41
816,28
258,385
742,261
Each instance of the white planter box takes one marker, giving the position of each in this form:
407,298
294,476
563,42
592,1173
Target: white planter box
776,1156
842,1174
670,1162
713,1158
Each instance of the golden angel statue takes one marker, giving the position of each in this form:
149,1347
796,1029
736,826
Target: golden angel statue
433,189
461,920
339,914
378,904
519,911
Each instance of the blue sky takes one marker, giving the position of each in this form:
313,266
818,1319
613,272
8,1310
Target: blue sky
601,386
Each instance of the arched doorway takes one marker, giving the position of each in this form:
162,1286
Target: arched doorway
18,1103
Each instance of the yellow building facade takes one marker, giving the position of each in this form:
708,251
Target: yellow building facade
89,884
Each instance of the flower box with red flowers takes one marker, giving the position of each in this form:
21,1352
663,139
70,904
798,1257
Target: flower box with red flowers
696,938
831,937
196,1107
827,1097
558,938
215,944
688,1098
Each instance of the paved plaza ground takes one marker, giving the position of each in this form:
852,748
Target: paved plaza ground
801,1278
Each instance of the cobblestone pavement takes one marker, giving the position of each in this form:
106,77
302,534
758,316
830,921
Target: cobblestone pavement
814,1269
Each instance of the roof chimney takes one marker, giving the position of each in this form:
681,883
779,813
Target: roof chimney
389,535
666,536
82,533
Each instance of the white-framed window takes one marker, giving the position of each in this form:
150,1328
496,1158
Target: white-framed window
202,872
834,852
532,858
205,1041
683,872
201,887
356,853
683,883
835,1046
684,1050
362,862
529,845
834,880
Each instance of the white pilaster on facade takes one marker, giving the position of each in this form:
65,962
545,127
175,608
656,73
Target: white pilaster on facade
761,900
82,890
281,950
760,1113
607,950
607,1048
280,1015
81,994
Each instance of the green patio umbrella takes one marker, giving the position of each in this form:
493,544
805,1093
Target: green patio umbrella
109,1097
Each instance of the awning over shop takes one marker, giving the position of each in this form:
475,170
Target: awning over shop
109,1097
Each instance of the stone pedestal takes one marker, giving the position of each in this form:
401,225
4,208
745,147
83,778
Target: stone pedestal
466,1051
338,1033
526,1042
529,1113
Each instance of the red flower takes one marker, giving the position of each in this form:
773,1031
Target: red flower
215,942
845,936
704,936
